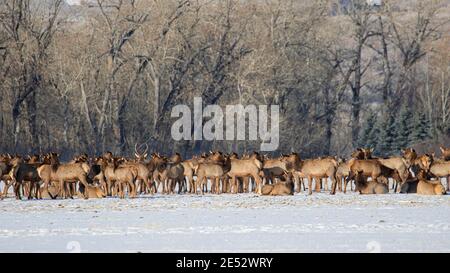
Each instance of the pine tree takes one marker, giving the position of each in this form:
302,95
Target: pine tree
387,137
422,128
369,134
405,128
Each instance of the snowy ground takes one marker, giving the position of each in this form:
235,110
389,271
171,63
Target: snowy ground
229,223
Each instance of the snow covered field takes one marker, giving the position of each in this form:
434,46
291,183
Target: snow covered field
229,223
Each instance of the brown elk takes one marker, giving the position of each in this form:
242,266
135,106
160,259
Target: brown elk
190,169
22,173
250,167
173,174
5,169
441,169
92,191
156,167
119,177
421,185
214,169
369,187
316,169
273,168
52,170
398,163
342,172
279,188
445,153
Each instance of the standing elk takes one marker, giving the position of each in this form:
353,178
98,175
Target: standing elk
314,169
250,167
342,172
52,170
173,174
214,169
22,173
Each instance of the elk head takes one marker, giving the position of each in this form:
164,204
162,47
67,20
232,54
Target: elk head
445,153
358,154
140,156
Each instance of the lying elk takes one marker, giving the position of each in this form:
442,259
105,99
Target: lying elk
92,191
279,188
369,187
421,185
52,170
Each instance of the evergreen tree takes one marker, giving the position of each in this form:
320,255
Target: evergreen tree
369,134
387,137
422,128
405,128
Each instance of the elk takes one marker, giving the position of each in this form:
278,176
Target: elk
369,187
156,167
173,174
118,177
22,173
5,169
214,169
398,163
342,172
440,169
250,167
144,176
421,185
273,168
445,153
52,170
279,188
190,169
314,169
92,191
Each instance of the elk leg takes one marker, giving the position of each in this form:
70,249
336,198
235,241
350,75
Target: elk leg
133,189
310,179
257,183
85,184
333,184
318,184
448,180
16,188
339,183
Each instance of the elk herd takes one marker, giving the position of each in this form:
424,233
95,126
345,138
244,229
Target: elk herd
44,176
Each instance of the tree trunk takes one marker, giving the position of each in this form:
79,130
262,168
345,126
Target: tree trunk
31,110
356,101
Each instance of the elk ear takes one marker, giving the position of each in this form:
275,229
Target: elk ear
403,151
371,150
145,155
442,149
136,155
